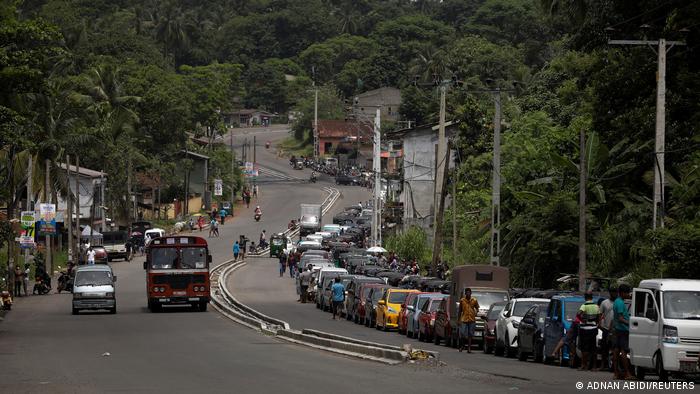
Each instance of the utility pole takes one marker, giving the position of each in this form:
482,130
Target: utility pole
128,189
377,167
77,203
47,199
663,46
317,147
103,216
30,198
69,212
496,186
442,165
454,217
233,156
255,144
583,173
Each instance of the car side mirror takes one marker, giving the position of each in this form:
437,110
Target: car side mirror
381,302
410,307
506,314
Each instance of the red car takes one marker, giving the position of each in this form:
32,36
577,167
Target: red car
443,328
426,320
490,325
403,312
362,299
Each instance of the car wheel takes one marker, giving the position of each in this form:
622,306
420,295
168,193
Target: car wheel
409,334
498,348
510,352
420,335
487,348
75,311
113,310
660,371
203,306
640,373
436,339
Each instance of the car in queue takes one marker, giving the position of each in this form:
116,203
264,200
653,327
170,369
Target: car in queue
508,322
352,298
490,326
101,255
371,304
413,312
388,308
561,312
426,320
444,322
363,304
403,313
94,289
531,334
327,295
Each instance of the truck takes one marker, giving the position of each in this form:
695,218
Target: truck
489,284
310,219
115,245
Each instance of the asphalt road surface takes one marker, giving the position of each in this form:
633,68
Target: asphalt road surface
45,349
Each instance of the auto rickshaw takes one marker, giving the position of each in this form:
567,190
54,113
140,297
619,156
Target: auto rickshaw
278,243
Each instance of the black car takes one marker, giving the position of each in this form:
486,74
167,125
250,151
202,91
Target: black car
531,333
343,180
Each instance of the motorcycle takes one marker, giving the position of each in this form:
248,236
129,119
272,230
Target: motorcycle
257,217
313,177
65,282
267,145
41,286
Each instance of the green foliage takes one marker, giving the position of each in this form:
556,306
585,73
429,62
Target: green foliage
411,244
330,106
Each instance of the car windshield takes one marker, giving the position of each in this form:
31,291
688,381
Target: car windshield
682,305
376,295
277,241
397,297
434,304
486,298
93,278
522,307
571,309
163,258
309,219
193,258
495,310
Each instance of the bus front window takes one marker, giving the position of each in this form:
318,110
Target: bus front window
163,258
193,258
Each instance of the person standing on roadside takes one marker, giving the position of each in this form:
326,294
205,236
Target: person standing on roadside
25,279
588,330
621,325
304,282
222,215
468,307
91,256
338,292
606,319
291,262
236,251
18,281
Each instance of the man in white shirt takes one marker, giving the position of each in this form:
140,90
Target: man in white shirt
91,256
606,318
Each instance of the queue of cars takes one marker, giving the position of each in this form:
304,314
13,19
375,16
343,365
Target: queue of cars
664,314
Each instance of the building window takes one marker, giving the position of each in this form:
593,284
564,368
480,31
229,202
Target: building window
327,147
389,110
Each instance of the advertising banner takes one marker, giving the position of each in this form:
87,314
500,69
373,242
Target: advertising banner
47,219
218,187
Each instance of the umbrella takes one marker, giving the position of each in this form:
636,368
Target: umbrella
376,249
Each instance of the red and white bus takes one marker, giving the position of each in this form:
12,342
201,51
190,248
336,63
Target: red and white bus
177,272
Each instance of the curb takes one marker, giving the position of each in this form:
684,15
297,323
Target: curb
336,337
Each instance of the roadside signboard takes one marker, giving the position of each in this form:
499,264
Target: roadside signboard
47,219
26,237
249,170
218,187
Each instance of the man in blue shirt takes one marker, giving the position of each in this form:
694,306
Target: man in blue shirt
621,327
236,251
338,292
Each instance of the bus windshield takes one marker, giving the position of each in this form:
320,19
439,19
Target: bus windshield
193,258
163,258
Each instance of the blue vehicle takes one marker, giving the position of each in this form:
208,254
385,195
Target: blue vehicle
414,311
560,317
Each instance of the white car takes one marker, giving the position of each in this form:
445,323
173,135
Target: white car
508,321
318,238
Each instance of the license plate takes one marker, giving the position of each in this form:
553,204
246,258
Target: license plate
179,292
689,366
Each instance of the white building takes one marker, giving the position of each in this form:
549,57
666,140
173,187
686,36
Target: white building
90,186
388,99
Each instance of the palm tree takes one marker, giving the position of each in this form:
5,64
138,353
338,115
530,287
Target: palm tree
170,29
429,61
575,10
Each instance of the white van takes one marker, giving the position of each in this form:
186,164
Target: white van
665,327
152,234
323,273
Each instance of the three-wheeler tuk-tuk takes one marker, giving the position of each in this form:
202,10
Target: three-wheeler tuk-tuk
278,243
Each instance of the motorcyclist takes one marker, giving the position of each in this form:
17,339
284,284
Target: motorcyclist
313,176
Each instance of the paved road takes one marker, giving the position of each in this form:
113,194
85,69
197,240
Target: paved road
43,348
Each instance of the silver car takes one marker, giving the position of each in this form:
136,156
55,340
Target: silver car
93,288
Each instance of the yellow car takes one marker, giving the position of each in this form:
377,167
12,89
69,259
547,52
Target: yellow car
389,306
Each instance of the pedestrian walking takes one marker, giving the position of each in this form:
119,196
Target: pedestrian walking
91,256
606,319
304,282
215,226
200,223
338,292
621,325
292,263
283,264
588,330
222,214
236,251
25,278
213,214
18,281
255,191
468,307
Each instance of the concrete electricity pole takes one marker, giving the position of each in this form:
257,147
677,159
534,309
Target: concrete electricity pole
583,175
77,203
663,47
317,147
495,257
47,200
69,212
103,213
233,199
377,168
442,157
30,197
